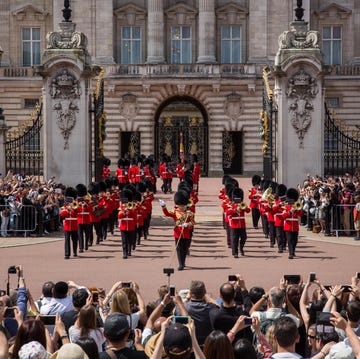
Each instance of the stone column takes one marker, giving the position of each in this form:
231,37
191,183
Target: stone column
356,32
155,41
3,130
206,36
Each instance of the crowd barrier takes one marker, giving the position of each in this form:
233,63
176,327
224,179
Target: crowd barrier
25,222
342,219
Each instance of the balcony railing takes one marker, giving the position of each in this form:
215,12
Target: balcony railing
346,70
16,71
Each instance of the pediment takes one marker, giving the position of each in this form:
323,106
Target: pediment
334,10
26,9
180,8
130,8
231,7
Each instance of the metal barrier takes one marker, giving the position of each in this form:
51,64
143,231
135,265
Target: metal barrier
342,219
25,221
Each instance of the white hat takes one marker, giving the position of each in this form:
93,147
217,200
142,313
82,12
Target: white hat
33,350
70,350
340,351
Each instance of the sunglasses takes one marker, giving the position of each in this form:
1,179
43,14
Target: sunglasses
311,336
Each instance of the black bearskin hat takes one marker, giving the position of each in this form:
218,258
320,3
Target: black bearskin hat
292,195
137,196
108,182
234,182
102,186
120,162
181,198
126,195
273,186
81,190
106,161
141,186
255,180
126,163
130,187
183,186
70,192
237,195
93,188
194,158
114,181
280,190
225,179
228,189
264,184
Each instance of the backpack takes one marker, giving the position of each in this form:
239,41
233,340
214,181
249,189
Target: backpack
268,322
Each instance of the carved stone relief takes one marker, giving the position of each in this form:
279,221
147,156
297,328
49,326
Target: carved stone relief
233,106
302,89
65,90
129,107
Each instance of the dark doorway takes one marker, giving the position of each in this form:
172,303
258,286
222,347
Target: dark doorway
129,145
232,152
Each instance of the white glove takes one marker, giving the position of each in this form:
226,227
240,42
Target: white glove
162,203
185,225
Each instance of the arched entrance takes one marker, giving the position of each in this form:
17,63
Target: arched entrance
182,119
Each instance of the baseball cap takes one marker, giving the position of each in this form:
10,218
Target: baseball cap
340,351
115,326
177,336
33,350
70,350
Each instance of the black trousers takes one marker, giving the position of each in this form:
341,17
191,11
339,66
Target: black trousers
127,239
182,246
292,240
84,235
73,237
280,237
271,226
265,225
255,213
238,237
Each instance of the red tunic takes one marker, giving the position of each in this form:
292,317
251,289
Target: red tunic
128,216
83,215
236,216
69,215
196,173
180,218
291,219
105,172
122,175
254,196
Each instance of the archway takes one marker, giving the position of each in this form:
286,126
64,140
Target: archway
182,119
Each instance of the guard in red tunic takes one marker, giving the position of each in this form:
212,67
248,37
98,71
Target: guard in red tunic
180,169
121,174
236,215
127,221
291,215
68,214
83,217
96,213
184,222
106,168
254,198
133,171
278,209
163,172
196,172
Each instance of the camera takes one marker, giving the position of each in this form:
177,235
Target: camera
292,278
182,319
232,278
172,291
168,271
48,319
312,276
12,270
248,321
126,284
95,296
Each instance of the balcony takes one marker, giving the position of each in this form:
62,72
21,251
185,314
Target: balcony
181,70
16,71
345,70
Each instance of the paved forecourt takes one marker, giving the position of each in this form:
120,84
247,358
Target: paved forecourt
333,259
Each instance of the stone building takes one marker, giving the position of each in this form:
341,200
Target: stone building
189,69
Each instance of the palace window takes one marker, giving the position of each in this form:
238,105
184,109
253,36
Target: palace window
331,41
31,46
231,44
131,45
181,45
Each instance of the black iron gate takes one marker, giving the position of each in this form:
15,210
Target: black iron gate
341,151
23,150
232,152
171,131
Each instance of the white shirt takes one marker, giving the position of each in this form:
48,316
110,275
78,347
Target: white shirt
274,313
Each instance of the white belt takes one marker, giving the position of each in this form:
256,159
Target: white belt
127,219
237,217
71,219
84,213
292,219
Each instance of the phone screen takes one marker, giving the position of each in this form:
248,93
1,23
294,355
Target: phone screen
48,319
95,297
292,278
312,277
172,291
182,319
232,278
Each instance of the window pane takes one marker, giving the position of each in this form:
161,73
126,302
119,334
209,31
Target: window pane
136,32
36,53
236,32
175,52
327,52
225,52
337,32
26,54
175,33
26,34
36,34
186,52
125,52
126,33
327,33
186,32
136,52
236,56
225,32
336,53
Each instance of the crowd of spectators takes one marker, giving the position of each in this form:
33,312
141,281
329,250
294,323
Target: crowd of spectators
329,202
29,206
294,319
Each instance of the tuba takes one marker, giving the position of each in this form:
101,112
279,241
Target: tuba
297,206
266,194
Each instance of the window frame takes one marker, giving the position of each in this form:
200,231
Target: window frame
331,41
182,41
32,42
132,41
231,40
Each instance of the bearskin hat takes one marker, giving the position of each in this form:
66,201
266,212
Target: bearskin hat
225,179
106,161
93,188
120,162
130,187
141,187
255,180
292,195
108,182
237,195
280,190
273,186
264,184
137,196
194,158
126,163
126,195
181,198
114,181
228,189
70,192
183,186
81,190
102,186
234,182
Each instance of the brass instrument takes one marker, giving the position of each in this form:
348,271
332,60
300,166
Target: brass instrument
297,206
130,205
242,206
266,194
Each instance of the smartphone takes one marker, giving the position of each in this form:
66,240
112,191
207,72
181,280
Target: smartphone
346,288
95,296
9,313
172,291
358,275
181,319
312,276
48,319
248,321
292,278
327,287
126,284
12,270
232,278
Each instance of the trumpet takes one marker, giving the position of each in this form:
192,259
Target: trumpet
266,194
242,206
297,206
130,205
